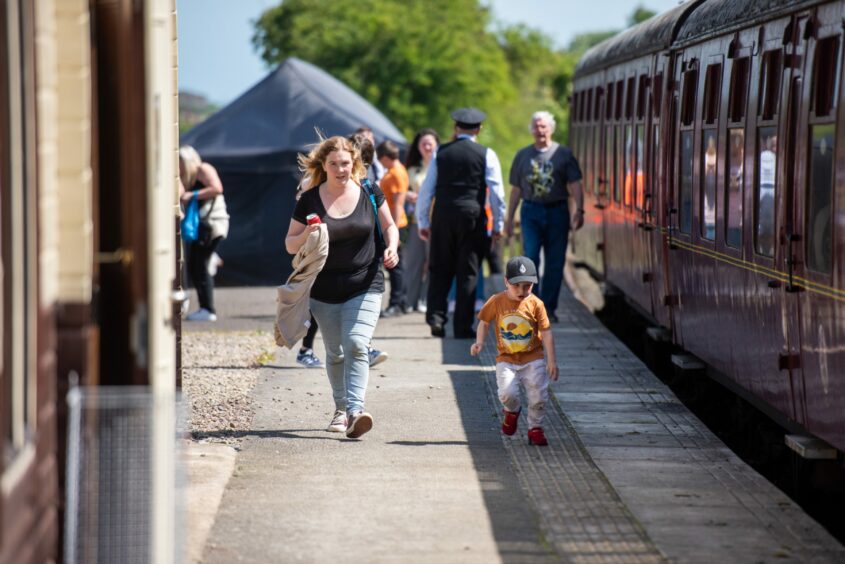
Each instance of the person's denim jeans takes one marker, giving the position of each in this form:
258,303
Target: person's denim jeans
347,329
546,227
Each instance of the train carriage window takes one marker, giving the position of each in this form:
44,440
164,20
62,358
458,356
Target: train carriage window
642,96
690,84
609,161
653,173
620,164
738,97
819,226
735,184
686,167
597,156
608,107
597,106
712,90
765,197
639,149
620,87
709,163
589,106
824,75
769,96
628,165
657,94
629,99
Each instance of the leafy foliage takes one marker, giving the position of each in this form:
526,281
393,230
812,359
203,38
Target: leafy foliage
417,60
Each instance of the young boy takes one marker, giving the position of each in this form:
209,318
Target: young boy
522,332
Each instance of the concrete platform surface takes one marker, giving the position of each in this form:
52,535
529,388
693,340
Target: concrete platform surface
629,476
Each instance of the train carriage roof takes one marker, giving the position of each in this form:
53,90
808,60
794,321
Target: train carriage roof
718,17
652,35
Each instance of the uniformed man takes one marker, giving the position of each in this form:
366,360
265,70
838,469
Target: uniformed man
459,180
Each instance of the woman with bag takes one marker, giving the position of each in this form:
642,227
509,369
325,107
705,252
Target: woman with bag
346,295
200,181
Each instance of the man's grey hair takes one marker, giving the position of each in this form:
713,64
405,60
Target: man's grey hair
546,117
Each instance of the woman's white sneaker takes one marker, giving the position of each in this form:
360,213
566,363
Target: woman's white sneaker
338,424
202,315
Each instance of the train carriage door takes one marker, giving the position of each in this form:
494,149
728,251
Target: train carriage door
810,225
789,252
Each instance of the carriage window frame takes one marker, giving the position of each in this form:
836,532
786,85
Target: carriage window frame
629,98
686,147
689,95
738,95
771,69
825,76
823,111
657,95
609,102
735,139
620,97
712,94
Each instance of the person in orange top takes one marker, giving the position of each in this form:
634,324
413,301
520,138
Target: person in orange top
394,184
523,332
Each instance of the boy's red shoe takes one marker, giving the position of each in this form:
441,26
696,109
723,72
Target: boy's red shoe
537,437
510,422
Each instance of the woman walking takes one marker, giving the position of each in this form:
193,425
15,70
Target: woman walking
346,295
415,257
200,180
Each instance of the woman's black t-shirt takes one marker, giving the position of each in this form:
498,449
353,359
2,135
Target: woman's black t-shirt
352,267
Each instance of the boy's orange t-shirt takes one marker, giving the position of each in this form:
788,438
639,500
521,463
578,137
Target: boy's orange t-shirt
394,182
519,326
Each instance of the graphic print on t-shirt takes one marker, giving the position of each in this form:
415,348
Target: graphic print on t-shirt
541,179
516,332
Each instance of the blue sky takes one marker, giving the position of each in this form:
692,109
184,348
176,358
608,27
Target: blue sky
216,57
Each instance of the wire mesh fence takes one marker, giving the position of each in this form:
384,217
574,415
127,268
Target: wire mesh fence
123,473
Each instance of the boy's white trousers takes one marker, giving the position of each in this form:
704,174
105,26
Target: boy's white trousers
534,379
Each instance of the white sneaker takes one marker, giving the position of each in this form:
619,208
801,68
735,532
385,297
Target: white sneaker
338,423
202,315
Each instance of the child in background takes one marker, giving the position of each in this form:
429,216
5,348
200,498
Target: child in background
522,333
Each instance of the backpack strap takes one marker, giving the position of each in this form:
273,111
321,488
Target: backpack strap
367,186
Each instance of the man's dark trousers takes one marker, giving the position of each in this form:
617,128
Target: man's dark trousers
456,244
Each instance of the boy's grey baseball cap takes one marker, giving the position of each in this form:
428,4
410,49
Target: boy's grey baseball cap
521,269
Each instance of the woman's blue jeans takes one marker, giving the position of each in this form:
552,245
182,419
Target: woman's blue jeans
547,227
347,330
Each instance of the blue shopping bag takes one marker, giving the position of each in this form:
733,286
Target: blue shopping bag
191,221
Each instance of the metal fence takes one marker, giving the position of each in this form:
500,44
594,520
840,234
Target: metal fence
123,472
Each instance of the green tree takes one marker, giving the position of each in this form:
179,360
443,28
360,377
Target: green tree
406,57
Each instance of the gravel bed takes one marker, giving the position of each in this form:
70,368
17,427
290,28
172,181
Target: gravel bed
219,371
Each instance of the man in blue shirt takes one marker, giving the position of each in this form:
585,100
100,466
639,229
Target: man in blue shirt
459,179
544,175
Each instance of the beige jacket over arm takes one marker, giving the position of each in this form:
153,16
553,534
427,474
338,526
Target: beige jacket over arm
293,313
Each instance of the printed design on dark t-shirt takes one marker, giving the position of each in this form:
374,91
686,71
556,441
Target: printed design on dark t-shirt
541,177
516,332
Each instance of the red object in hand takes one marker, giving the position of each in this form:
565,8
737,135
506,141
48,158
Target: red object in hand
313,219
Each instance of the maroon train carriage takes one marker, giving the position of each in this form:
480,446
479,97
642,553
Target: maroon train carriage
714,192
